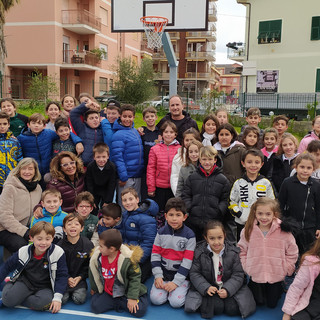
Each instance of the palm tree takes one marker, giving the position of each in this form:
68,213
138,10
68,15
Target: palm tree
5,5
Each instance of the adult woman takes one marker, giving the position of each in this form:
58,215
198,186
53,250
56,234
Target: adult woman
67,176
21,192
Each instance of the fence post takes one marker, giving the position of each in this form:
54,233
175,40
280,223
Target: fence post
277,102
0,84
244,104
315,105
93,87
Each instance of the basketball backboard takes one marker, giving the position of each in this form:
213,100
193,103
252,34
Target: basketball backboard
183,15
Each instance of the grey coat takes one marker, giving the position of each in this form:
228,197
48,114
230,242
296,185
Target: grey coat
184,173
202,276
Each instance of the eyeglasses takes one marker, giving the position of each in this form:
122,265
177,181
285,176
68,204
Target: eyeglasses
65,165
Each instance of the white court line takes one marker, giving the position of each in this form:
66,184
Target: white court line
87,314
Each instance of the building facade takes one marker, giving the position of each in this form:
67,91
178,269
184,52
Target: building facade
229,79
68,40
282,50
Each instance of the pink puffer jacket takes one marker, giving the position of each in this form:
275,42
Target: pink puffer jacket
159,165
300,291
306,140
268,258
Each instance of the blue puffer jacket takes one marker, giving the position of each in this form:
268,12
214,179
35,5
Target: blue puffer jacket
89,135
127,151
107,131
139,227
39,146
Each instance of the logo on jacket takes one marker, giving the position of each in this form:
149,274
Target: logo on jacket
82,255
181,244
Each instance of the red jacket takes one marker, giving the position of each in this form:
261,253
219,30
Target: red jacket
159,165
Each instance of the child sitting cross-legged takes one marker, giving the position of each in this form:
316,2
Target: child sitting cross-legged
77,250
51,202
110,218
40,272
171,257
217,277
115,276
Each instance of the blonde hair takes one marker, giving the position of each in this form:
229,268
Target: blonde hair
40,226
25,162
195,143
52,191
264,201
290,136
208,151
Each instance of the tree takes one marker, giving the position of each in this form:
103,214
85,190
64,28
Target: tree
5,5
210,99
40,87
134,83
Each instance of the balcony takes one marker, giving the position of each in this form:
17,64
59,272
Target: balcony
200,55
81,21
162,76
212,15
144,48
84,60
198,76
236,51
174,35
210,35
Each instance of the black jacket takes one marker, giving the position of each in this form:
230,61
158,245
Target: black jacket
101,183
202,276
301,202
206,198
182,125
77,256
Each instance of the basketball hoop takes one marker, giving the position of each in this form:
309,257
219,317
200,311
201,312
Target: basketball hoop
154,27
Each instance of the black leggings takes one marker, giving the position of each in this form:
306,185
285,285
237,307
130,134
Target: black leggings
12,241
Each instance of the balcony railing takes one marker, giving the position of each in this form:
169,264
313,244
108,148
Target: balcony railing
198,75
81,17
212,17
237,53
201,34
80,57
207,55
174,35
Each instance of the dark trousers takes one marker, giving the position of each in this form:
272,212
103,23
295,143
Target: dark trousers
16,293
103,302
146,270
266,293
239,229
162,196
12,241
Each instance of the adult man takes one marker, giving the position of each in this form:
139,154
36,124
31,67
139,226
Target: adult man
179,117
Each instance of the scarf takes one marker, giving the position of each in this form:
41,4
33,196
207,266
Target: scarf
30,185
207,139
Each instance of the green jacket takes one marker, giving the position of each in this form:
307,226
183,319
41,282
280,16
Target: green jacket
128,278
89,226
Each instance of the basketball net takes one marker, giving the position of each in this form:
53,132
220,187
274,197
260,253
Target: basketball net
154,27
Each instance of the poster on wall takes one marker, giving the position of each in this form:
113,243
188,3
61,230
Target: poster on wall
267,81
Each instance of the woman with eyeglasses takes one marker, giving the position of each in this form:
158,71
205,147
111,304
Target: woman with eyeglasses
21,192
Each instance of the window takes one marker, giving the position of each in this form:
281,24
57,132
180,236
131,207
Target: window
104,16
111,84
315,28
103,85
269,31
104,48
318,81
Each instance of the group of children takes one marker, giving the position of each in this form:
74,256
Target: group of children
188,242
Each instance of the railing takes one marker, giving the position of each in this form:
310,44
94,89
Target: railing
174,35
197,75
238,53
200,55
80,57
201,34
81,17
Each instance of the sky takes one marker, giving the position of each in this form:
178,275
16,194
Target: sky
230,27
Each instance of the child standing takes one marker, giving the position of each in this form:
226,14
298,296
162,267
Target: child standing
171,257
314,149
180,158
280,123
77,250
115,275
312,135
250,137
208,130
302,298
18,121
268,253
246,190
51,202
10,149
299,199
53,111
127,151
222,115
150,137
159,165
83,205
282,164
111,217
190,165
217,277
40,272
206,192
230,151
269,138
101,176
139,226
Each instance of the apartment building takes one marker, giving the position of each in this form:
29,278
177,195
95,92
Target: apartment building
282,49
195,52
229,78
69,40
